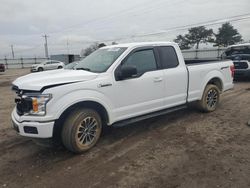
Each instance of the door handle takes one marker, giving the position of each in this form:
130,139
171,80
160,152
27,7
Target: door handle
158,79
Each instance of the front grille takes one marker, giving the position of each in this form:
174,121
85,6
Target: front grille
240,65
23,105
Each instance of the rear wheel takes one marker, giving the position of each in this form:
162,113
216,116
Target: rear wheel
210,98
60,67
81,130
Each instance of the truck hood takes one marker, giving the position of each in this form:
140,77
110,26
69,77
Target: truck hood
37,81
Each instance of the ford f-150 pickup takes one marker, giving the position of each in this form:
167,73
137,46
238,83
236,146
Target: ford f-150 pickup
114,86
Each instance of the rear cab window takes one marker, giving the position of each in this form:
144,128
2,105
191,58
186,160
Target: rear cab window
168,57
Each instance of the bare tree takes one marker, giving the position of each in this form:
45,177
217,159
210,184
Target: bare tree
85,52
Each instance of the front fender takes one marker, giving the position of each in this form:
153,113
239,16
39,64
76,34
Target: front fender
63,103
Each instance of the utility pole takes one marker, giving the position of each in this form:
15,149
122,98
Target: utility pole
12,51
46,46
68,46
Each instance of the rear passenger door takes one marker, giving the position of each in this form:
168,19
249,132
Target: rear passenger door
175,76
47,65
54,64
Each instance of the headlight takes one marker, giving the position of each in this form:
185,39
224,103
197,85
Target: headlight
39,102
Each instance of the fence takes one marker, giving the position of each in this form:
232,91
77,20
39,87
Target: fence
212,53
21,62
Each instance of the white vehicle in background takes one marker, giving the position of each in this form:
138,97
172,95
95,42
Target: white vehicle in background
114,86
47,65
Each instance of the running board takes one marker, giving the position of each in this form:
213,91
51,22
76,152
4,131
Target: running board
147,116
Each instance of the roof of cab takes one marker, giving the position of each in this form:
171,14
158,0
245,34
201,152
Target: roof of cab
140,44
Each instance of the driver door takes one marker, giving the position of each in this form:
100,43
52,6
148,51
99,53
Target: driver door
142,93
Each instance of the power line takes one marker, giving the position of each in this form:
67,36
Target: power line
207,23
116,13
103,25
177,28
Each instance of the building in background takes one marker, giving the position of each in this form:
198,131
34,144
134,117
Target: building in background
66,58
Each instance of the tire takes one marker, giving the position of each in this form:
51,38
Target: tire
40,69
81,130
210,98
60,67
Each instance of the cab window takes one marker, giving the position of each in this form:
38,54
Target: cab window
168,57
143,60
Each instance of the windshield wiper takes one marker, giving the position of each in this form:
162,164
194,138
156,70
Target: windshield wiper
86,69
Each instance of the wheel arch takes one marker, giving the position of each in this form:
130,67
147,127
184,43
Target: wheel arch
214,77
216,81
82,104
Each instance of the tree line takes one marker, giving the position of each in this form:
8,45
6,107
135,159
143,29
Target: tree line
85,52
226,35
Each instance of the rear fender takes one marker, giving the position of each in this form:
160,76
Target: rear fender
215,74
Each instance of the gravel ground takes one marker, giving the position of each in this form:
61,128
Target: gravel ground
183,149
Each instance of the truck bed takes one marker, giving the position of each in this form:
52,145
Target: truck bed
200,61
199,75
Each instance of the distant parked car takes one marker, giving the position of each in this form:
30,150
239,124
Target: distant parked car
47,65
2,67
71,65
240,55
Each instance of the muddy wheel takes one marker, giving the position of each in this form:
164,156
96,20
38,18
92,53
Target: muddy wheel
210,98
81,130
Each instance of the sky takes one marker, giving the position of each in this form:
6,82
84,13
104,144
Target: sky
73,25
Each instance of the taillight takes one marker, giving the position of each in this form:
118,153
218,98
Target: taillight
232,70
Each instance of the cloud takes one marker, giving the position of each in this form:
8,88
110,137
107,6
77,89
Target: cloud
34,28
76,39
85,21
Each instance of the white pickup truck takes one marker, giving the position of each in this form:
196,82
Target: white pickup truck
114,86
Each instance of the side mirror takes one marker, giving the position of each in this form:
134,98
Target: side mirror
127,71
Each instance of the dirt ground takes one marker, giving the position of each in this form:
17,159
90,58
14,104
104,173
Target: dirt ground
183,149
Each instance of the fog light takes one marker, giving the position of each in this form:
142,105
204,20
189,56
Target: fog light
30,130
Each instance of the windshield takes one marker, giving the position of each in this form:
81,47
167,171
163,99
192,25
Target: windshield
100,60
71,65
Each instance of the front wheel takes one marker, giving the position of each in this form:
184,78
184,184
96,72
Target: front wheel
81,130
40,69
210,98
